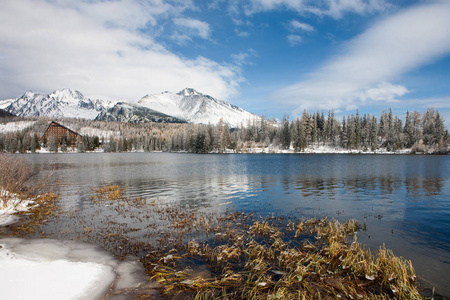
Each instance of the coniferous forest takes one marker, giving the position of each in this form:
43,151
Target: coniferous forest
418,132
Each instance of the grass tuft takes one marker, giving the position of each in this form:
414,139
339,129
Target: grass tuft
273,259
108,192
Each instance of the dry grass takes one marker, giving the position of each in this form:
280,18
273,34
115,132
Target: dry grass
14,173
44,209
271,258
233,255
108,192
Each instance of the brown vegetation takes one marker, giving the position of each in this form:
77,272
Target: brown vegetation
14,173
275,259
108,192
234,255
45,208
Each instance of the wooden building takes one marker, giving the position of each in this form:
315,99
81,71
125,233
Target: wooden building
61,133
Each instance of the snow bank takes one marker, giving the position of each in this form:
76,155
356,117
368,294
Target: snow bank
11,204
52,269
317,149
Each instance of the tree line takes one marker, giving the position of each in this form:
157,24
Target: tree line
420,132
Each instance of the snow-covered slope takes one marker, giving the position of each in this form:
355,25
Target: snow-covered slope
62,103
187,105
134,113
5,103
195,107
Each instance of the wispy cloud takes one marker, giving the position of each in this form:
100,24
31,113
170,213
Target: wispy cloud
337,8
294,39
243,58
193,28
241,33
363,70
295,25
101,48
332,8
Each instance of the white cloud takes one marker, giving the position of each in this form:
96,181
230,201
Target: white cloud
336,8
332,8
294,39
384,91
193,27
100,48
362,71
296,25
265,5
241,33
243,58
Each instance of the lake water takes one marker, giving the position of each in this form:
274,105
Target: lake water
404,200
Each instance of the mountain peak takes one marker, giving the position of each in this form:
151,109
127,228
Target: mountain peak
60,103
67,94
189,92
28,94
187,105
195,107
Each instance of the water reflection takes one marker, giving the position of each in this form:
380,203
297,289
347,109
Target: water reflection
403,199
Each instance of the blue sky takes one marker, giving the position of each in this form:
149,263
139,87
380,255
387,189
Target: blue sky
270,57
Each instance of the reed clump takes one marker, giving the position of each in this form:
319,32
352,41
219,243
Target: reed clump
201,254
108,192
274,259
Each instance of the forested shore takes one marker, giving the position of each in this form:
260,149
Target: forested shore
417,133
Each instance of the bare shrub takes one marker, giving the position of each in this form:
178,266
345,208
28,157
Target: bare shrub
14,173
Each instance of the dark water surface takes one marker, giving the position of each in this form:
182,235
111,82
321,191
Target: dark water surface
403,199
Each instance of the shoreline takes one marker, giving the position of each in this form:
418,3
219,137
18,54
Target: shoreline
261,151
79,270
88,271
313,149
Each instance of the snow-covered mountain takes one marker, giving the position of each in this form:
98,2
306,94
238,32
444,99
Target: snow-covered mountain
133,113
5,103
187,105
64,103
195,107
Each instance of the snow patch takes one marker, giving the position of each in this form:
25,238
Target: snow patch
11,204
52,269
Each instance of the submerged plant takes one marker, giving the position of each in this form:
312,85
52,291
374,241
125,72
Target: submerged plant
195,254
108,192
272,259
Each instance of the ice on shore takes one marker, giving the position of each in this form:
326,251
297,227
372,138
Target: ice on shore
53,269
11,204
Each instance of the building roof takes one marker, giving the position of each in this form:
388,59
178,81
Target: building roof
68,129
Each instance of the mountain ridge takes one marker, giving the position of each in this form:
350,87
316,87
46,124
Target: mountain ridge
188,105
196,107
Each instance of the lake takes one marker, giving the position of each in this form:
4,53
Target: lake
404,200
